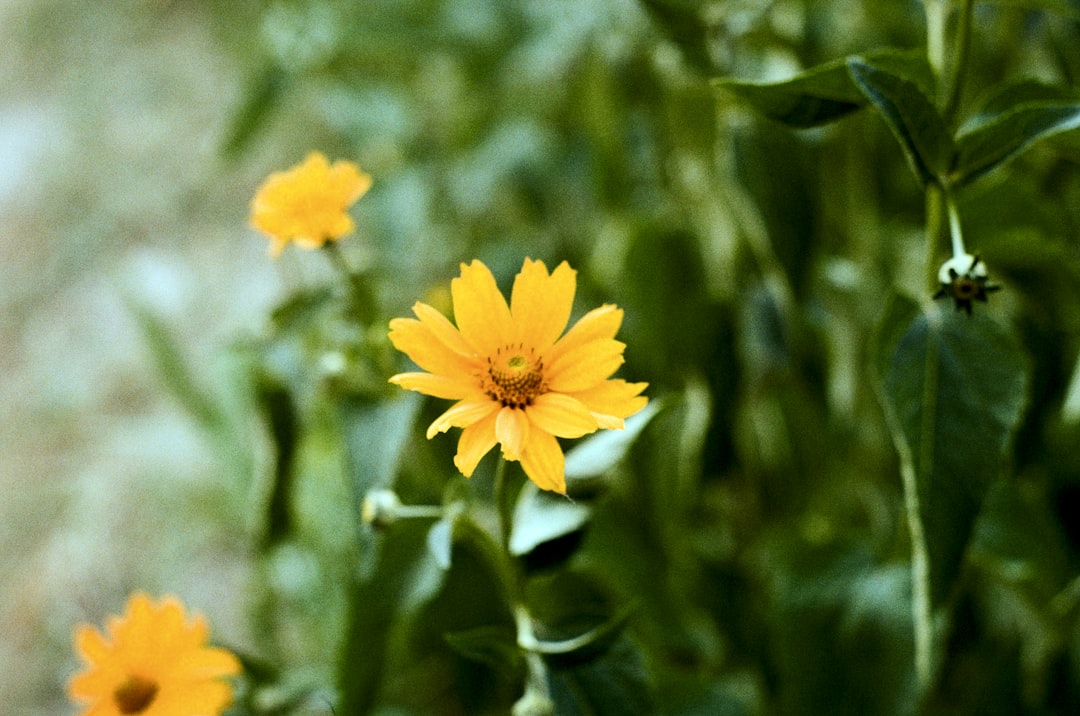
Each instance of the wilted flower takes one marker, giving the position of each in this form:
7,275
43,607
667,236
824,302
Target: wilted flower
516,381
308,204
153,662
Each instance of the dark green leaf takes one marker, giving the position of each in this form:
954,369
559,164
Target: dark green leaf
494,645
1068,8
603,450
999,140
264,94
1008,97
821,94
954,388
375,605
175,371
376,435
614,685
279,407
540,517
683,21
910,116
440,541
1017,539
582,647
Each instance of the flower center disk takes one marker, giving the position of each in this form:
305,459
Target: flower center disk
515,376
135,695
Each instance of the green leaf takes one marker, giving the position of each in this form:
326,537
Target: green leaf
822,94
540,517
1067,8
603,450
910,116
440,540
683,21
279,408
264,95
493,645
616,684
588,643
375,438
176,373
1005,137
954,388
1008,97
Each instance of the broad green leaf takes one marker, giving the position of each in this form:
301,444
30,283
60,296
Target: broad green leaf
616,684
493,645
603,450
375,437
1018,539
1067,8
587,644
540,517
822,94
376,603
1006,98
910,116
954,388
440,541
999,140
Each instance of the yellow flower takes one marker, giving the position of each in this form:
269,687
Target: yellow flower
308,203
516,381
153,662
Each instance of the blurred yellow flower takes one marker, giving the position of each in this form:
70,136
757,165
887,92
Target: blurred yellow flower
153,662
516,381
308,204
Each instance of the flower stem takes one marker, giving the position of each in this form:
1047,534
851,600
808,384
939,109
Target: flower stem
937,227
956,236
363,301
499,498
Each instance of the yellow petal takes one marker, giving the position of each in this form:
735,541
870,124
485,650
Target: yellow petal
347,182
475,442
480,310
614,397
90,645
462,414
416,340
438,386
585,366
207,663
512,430
543,462
561,415
598,324
540,304
441,327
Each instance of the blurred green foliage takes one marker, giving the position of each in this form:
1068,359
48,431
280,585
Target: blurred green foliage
738,177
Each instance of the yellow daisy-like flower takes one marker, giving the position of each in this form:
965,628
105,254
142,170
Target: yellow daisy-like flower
516,381
154,662
308,204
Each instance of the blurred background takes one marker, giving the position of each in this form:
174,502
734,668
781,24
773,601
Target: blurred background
752,263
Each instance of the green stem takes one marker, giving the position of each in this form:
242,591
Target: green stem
499,498
360,292
956,236
937,229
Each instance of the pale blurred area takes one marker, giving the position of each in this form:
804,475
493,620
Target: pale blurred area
114,197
